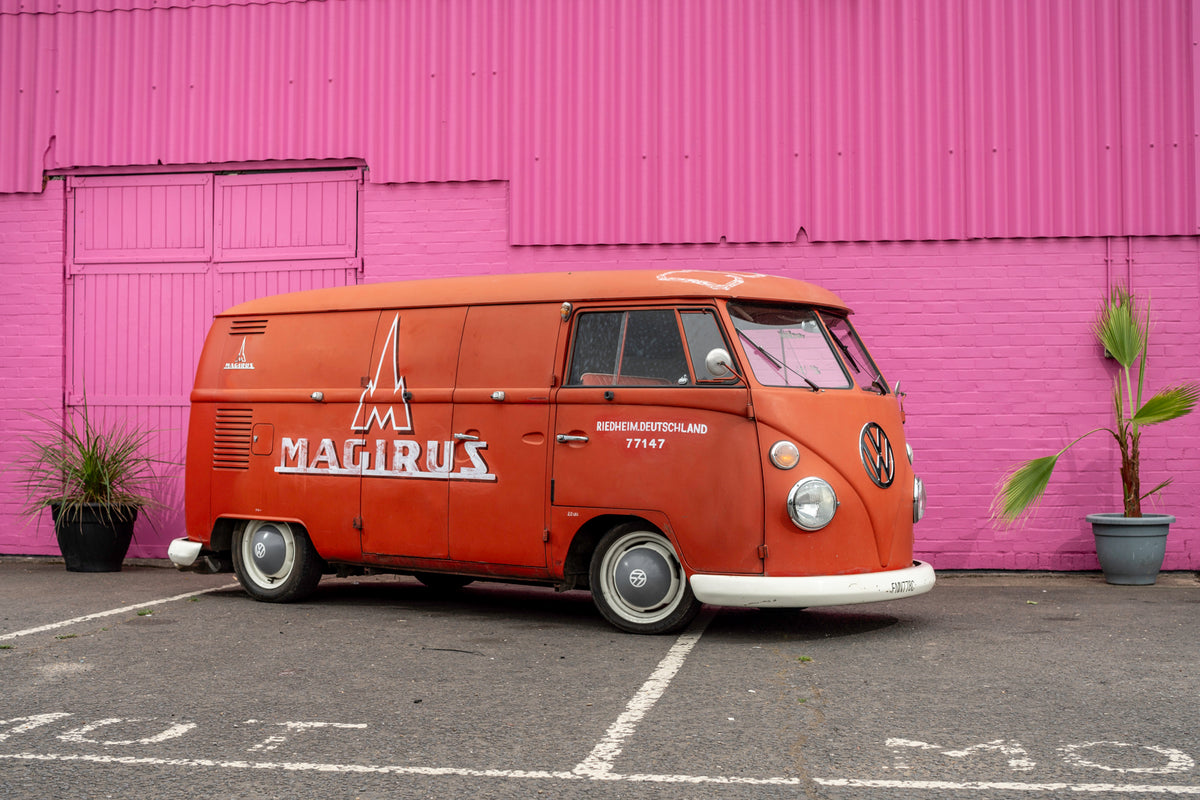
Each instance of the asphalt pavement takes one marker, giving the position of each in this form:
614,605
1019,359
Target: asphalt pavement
153,683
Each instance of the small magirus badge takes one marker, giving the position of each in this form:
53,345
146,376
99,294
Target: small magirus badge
241,362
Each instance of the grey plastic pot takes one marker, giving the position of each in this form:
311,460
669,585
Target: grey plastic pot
1131,549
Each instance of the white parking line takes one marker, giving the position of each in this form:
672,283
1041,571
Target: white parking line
728,780
599,762
101,614
1012,786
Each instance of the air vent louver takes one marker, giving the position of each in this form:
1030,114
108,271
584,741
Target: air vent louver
247,327
231,438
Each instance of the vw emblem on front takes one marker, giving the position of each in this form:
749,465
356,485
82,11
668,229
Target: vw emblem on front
877,455
637,578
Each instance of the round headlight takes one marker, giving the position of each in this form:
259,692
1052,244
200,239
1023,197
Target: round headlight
811,504
785,455
918,499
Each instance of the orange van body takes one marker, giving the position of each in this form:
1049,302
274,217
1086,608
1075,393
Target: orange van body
641,434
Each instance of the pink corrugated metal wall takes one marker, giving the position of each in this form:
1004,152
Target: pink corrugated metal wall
416,88
672,121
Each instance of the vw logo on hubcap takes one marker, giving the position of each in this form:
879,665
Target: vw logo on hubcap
877,455
637,578
260,550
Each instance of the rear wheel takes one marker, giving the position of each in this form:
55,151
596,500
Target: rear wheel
275,561
638,583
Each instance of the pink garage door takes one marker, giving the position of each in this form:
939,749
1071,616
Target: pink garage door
151,258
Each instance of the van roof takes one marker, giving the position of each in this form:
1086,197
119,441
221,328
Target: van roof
548,287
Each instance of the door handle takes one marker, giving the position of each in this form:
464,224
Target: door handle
466,437
566,437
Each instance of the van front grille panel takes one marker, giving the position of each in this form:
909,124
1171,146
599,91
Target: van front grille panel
231,438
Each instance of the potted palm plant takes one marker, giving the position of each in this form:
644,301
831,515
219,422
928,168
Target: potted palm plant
94,482
1130,545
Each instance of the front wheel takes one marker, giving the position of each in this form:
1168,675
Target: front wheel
638,583
275,562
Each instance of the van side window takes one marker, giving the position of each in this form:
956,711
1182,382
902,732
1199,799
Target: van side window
703,334
628,348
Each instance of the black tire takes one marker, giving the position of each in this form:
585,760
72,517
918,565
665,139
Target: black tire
275,562
443,581
638,584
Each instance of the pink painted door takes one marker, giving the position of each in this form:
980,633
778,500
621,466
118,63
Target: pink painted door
151,259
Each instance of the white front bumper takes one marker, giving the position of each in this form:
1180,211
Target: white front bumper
183,552
811,592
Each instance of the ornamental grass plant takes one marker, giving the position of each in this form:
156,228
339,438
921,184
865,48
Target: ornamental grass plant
76,464
1123,328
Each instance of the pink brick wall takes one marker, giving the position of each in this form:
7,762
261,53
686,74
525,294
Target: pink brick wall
31,344
990,338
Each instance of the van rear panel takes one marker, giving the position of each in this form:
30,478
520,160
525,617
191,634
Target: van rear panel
276,452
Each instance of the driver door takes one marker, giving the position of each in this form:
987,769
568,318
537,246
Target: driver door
641,426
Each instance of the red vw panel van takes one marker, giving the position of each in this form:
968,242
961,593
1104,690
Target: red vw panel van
664,439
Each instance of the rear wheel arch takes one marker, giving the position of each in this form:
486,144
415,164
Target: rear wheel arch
221,540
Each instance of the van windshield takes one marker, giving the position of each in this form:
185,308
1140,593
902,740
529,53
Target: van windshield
798,346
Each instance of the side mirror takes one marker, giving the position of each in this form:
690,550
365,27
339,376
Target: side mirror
719,364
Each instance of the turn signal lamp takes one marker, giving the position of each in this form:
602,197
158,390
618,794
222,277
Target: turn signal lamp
785,455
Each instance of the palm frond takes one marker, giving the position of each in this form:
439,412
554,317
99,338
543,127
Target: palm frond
1156,489
1022,489
1168,404
1122,328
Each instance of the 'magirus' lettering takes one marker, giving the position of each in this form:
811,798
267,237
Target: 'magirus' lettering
385,458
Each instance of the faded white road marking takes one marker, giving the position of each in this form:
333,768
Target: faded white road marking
598,764
1011,786
1177,761
113,611
78,734
273,742
729,780
30,722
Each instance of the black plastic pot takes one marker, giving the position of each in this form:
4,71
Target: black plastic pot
1131,549
95,540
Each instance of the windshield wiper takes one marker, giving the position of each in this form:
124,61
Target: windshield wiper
779,365
846,352
876,382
